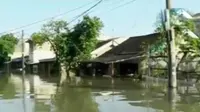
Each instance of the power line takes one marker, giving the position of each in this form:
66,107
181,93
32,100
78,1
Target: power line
48,18
117,2
86,12
75,18
127,3
117,7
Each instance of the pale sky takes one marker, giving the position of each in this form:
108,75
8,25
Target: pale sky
136,18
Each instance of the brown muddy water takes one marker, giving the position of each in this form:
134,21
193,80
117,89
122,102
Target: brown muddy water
35,94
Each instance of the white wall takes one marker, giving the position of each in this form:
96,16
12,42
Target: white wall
42,52
18,50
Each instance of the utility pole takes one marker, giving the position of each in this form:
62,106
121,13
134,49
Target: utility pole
172,79
23,72
23,61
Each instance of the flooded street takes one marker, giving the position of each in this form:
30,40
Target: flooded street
94,95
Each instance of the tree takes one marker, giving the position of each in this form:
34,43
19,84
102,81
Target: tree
7,46
51,33
71,46
38,38
81,41
186,44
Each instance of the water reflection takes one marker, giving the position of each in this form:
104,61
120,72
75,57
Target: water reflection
94,95
71,98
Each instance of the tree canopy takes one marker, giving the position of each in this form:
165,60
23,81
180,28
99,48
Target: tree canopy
71,45
186,43
7,46
182,27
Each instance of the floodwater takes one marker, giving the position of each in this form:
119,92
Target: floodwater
35,94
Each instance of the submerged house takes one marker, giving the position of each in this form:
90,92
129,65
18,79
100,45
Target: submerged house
15,64
49,65
33,55
41,59
123,59
37,53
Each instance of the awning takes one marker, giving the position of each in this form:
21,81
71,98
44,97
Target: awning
116,58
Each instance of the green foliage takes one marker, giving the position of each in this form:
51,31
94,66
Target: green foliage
82,40
54,28
70,46
8,42
38,38
7,46
188,46
52,33
159,47
192,46
181,26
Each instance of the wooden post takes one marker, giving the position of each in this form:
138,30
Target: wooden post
149,61
94,70
7,68
112,69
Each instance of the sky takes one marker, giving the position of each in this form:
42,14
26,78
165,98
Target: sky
135,18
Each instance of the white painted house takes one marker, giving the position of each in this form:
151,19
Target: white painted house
35,53
18,50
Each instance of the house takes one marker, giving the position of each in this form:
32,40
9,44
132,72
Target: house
32,55
127,57
37,53
41,59
48,65
15,64
105,45
123,59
